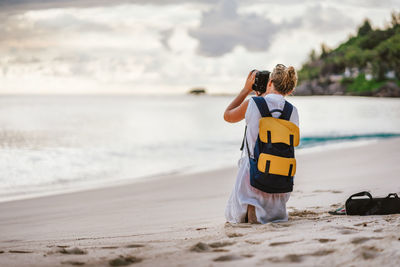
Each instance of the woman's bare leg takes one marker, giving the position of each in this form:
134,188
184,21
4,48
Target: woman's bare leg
251,214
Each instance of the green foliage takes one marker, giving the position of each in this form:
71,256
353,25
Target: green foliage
324,50
375,51
388,51
365,28
360,84
313,55
374,38
308,73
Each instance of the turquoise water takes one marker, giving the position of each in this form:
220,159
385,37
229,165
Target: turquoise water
59,143
306,142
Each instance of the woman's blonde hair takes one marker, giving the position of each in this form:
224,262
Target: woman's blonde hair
284,78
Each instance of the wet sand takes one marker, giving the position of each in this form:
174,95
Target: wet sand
179,220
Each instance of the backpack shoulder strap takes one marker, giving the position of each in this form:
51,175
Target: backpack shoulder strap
287,111
262,106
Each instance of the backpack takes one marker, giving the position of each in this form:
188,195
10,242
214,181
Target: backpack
274,165
372,206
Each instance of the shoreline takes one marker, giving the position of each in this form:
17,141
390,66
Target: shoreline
179,219
105,183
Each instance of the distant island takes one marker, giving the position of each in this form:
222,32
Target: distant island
367,64
197,91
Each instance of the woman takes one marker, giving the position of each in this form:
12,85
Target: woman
246,202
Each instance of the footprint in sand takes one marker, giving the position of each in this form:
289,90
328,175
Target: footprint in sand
272,226
325,240
302,213
274,244
360,240
109,247
237,225
288,258
321,252
370,252
220,250
124,261
200,247
73,251
1,251
231,235
251,242
75,263
229,257
20,251
347,230
296,258
203,247
221,244
365,224
135,246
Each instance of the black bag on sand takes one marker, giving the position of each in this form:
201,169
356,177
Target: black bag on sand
372,206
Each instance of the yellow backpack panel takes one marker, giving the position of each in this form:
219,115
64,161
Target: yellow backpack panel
277,165
280,131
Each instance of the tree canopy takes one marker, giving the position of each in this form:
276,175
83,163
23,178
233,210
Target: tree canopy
375,52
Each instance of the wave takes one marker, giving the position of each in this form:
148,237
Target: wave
311,141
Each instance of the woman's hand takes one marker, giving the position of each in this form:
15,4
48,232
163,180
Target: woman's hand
236,110
248,86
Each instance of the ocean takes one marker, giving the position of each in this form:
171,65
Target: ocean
54,143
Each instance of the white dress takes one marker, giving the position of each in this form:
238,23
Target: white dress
269,207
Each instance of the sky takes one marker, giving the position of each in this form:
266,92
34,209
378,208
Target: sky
165,46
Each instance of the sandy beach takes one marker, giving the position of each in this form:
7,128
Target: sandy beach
178,220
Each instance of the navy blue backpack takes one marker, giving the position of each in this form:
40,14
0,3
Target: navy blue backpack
274,164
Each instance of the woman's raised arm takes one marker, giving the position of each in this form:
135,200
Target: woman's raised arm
236,110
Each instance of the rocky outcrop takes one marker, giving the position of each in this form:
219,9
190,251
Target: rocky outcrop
389,89
315,87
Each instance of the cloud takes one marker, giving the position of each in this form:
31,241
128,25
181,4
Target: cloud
20,6
374,3
165,36
161,44
327,19
118,44
22,31
222,28
71,23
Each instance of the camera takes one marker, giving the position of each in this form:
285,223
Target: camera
261,81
